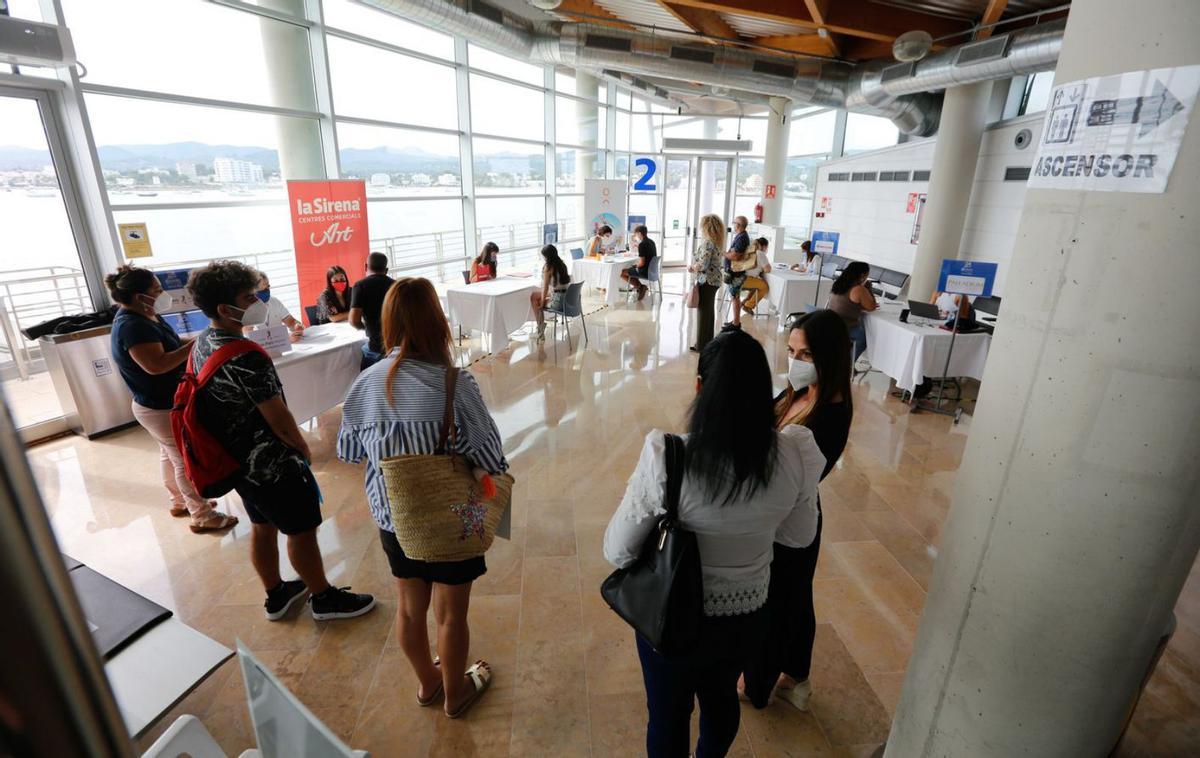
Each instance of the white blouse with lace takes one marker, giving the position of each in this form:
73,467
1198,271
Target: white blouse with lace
735,539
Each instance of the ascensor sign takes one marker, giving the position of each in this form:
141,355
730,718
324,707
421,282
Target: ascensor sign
1116,133
329,227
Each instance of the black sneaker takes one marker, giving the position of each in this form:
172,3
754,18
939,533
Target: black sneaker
337,603
282,598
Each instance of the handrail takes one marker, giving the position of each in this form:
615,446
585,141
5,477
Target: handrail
35,294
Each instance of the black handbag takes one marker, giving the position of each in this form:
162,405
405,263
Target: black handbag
662,595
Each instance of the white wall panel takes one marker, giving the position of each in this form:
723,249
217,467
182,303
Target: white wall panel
872,217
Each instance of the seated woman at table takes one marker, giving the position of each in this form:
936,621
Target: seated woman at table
555,279
755,271
946,303
850,298
812,262
485,264
277,312
599,240
333,304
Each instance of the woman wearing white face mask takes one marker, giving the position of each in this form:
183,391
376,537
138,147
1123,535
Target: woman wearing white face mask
817,397
599,241
150,356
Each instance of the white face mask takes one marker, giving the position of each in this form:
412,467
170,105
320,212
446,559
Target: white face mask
255,315
607,238
162,302
801,374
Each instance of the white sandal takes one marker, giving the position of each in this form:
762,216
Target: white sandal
480,674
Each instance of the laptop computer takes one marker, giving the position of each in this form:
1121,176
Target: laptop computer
924,310
283,727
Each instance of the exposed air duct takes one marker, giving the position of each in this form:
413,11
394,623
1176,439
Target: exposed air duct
907,93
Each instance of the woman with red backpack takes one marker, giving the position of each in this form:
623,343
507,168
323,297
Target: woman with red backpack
150,357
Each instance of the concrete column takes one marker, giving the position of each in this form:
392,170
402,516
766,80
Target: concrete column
775,165
955,153
711,130
290,71
587,116
1074,521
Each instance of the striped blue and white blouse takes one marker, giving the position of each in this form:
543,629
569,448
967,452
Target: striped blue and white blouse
373,430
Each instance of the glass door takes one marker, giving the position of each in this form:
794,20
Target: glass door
714,190
42,274
677,218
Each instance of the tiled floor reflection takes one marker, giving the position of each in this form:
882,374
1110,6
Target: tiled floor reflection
567,679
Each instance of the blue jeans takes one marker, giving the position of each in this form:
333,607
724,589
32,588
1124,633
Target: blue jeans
858,335
708,674
369,358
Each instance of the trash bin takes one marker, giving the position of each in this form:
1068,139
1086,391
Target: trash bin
90,389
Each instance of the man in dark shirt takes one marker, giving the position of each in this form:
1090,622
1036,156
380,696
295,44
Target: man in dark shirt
740,242
243,407
366,302
646,251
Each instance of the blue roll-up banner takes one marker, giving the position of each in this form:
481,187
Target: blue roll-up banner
967,278
634,221
549,234
825,243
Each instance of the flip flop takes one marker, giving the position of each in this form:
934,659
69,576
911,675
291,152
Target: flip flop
179,511
481,676
428,701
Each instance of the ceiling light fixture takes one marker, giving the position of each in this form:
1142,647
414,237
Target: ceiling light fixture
912,46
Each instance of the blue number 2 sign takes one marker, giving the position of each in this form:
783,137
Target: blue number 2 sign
646,180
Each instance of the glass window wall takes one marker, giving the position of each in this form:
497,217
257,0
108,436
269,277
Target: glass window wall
865,133
356,70
372,22
506,110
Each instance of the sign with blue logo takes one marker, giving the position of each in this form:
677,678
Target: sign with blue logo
967,278
549,234
825,243
174,283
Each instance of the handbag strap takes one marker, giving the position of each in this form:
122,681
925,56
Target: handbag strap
675,469
448,413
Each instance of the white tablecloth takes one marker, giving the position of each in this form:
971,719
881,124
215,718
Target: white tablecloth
496,308
318,370
602,274
910,352
790,292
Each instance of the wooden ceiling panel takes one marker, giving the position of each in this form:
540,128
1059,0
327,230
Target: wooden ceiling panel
702,21
855,18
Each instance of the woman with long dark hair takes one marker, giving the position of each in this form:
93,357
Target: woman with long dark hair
817,397
555,279
395,408
745,487
334,301
850,298
485,265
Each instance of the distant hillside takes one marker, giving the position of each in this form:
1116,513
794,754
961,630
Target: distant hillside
23,159
354,160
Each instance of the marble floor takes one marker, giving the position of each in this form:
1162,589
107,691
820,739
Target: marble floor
567,680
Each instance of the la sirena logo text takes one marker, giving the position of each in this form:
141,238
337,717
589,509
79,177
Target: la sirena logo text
333,234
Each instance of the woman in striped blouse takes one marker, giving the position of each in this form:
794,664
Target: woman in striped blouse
395,408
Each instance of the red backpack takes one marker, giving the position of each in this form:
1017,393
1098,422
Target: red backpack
210,468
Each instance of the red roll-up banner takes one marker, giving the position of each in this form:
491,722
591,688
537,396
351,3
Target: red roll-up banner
329,227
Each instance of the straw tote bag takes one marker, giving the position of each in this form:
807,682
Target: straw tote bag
438,509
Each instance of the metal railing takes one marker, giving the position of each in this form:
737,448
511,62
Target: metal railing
31,296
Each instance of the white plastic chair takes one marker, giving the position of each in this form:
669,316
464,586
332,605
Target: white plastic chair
187,736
